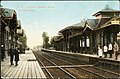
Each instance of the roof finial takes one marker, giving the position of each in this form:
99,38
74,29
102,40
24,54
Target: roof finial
106,6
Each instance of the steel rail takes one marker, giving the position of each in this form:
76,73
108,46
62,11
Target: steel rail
64,60
60,68
44,66
92,66
108,71
89,70
102,69
97,74
61,60
68,66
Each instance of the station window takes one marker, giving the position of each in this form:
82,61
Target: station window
68,45
88,42
111,37
105,39
83,42
80,43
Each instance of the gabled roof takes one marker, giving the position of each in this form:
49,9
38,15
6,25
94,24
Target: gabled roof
106,9
92,23
103,21
108,22
75,26
80,24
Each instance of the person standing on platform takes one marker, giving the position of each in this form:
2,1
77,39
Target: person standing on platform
100,52
98,47
16,56
2,53
110,50
116,50
11,52
105,51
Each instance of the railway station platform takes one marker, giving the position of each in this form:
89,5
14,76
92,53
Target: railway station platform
27,67
88,55
107,58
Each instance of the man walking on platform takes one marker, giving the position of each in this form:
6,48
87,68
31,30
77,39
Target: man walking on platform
16,56
11,52
116,50
2,53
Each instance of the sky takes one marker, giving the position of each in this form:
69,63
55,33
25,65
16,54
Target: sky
51,16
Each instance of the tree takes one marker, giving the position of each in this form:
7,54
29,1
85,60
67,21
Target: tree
23,40
52,41
45,40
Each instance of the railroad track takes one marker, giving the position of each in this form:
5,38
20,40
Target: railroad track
68,69
95,70
90,68
66,75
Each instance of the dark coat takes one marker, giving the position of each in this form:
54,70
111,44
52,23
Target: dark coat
16,55
11,51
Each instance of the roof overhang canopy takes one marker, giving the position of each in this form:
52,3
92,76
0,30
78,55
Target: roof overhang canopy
8,13
98,13
20,32
19,24
58,38
79,25
9,17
